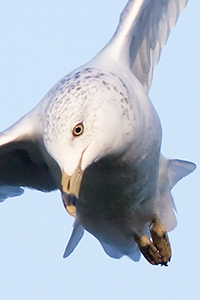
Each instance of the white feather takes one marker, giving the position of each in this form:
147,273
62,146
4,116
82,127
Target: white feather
126,181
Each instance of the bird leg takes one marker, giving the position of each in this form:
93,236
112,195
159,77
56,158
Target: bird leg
157,251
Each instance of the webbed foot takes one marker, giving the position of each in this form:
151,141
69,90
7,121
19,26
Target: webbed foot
157,251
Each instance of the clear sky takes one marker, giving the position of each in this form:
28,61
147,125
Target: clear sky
40,41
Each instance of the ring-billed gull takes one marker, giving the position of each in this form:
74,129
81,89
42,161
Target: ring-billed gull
96,137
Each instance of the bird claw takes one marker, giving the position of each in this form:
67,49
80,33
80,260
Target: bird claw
157,251
161,241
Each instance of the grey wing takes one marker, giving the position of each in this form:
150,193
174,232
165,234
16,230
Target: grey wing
24,161
9,191
153,29
148,24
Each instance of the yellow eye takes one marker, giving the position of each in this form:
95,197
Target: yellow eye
78,129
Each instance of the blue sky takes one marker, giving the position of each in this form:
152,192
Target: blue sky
40,42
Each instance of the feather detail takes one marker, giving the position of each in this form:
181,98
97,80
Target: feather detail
76,236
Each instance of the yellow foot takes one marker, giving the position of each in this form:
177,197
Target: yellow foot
161,241
157,251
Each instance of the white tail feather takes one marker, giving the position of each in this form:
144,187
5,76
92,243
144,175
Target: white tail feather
170,172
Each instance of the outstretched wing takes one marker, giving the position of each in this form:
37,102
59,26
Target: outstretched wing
153,29
24,161
142,32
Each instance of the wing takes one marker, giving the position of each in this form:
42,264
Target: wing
24,160
142,32
153,29
9,191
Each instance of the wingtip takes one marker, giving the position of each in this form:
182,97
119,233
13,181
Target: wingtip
76,236
7,191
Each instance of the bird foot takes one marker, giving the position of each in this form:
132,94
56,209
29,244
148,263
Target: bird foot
157,251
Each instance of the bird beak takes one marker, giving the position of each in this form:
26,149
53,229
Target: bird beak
70,187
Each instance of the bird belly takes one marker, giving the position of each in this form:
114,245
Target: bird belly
117,200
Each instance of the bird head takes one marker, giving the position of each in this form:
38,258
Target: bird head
92,120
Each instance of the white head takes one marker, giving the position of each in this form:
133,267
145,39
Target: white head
90,116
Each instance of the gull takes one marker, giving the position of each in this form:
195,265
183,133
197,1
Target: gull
96,137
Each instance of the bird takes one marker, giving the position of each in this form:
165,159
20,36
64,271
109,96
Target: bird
96,137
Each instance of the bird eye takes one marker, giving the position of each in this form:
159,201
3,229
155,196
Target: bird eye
78,129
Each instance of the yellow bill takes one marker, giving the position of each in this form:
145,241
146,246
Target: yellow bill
70,187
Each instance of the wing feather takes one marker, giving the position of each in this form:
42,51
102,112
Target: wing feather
153,29
142,32
24,160
26,163
9,191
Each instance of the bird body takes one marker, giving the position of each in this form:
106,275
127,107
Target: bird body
96,136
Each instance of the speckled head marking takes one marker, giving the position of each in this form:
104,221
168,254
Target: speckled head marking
98,100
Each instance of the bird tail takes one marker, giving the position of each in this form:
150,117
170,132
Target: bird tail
170,172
